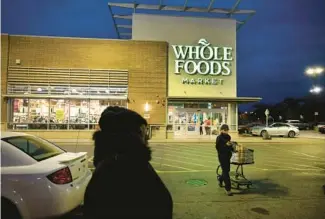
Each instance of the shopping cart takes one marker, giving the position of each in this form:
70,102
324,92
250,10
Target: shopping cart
241,156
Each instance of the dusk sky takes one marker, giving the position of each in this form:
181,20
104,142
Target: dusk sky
274,47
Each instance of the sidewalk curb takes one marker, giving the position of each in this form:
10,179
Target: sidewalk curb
195,141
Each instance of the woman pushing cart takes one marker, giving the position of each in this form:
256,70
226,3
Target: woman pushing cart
231,153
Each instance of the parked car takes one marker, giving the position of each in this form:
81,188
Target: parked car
301,125
39,179
321,129
276,129
320,124
247,129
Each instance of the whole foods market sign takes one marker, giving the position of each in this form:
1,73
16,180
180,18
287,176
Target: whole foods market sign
203,60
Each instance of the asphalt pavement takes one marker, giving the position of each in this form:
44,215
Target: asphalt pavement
287,179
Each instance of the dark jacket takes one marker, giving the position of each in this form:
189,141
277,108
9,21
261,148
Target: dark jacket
126,186
221,145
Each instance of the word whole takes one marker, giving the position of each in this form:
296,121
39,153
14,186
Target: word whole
203,59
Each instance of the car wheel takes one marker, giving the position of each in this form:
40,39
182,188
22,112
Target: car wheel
9,210
264,133
292,134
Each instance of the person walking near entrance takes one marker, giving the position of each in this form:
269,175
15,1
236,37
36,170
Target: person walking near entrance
201,128
224,149
207,126
124,184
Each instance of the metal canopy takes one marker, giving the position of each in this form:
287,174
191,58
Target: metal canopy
125,31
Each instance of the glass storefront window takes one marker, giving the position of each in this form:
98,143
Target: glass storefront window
20,110
59,113
79,112
38,113
196,118
96,108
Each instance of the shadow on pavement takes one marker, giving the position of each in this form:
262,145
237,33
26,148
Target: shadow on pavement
265,187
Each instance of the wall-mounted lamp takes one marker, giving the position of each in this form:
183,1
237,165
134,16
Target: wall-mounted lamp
146,107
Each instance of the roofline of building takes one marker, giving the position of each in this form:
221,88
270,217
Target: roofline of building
227,12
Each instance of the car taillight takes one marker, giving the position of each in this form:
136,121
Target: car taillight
62,176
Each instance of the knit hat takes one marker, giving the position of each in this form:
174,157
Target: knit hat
117,119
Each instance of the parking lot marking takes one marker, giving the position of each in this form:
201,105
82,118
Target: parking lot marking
301,165
187,158
210,151
195,164
295,152
168,165
305,159
292,168
189,153
183,171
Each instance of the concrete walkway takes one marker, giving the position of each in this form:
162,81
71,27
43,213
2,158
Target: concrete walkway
239,139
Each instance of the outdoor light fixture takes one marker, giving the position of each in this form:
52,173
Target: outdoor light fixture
316,90
146,107
314,71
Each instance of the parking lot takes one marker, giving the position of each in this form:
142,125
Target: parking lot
287,180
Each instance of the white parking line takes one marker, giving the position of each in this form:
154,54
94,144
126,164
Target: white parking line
168,165
301,165
295,152
304,159
186,152
177,161
187,158
191,149
292,168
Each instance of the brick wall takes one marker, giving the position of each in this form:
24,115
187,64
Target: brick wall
4,68
145,61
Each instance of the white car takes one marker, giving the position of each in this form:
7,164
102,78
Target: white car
276,129
40,179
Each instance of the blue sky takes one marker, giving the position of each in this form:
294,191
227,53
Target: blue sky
274,47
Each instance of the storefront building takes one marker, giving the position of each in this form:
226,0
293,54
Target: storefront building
183,81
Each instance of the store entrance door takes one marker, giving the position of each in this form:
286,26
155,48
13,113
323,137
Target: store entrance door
204,123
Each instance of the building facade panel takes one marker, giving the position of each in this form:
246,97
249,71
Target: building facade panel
205,44
143,60
4,69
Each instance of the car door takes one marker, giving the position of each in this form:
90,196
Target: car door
283,129
273,129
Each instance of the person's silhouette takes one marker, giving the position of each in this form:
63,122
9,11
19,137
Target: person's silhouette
124,184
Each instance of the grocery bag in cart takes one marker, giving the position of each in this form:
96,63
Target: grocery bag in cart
242,155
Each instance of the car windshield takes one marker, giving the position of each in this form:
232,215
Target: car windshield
37,148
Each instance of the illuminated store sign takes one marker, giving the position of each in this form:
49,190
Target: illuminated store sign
203,59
